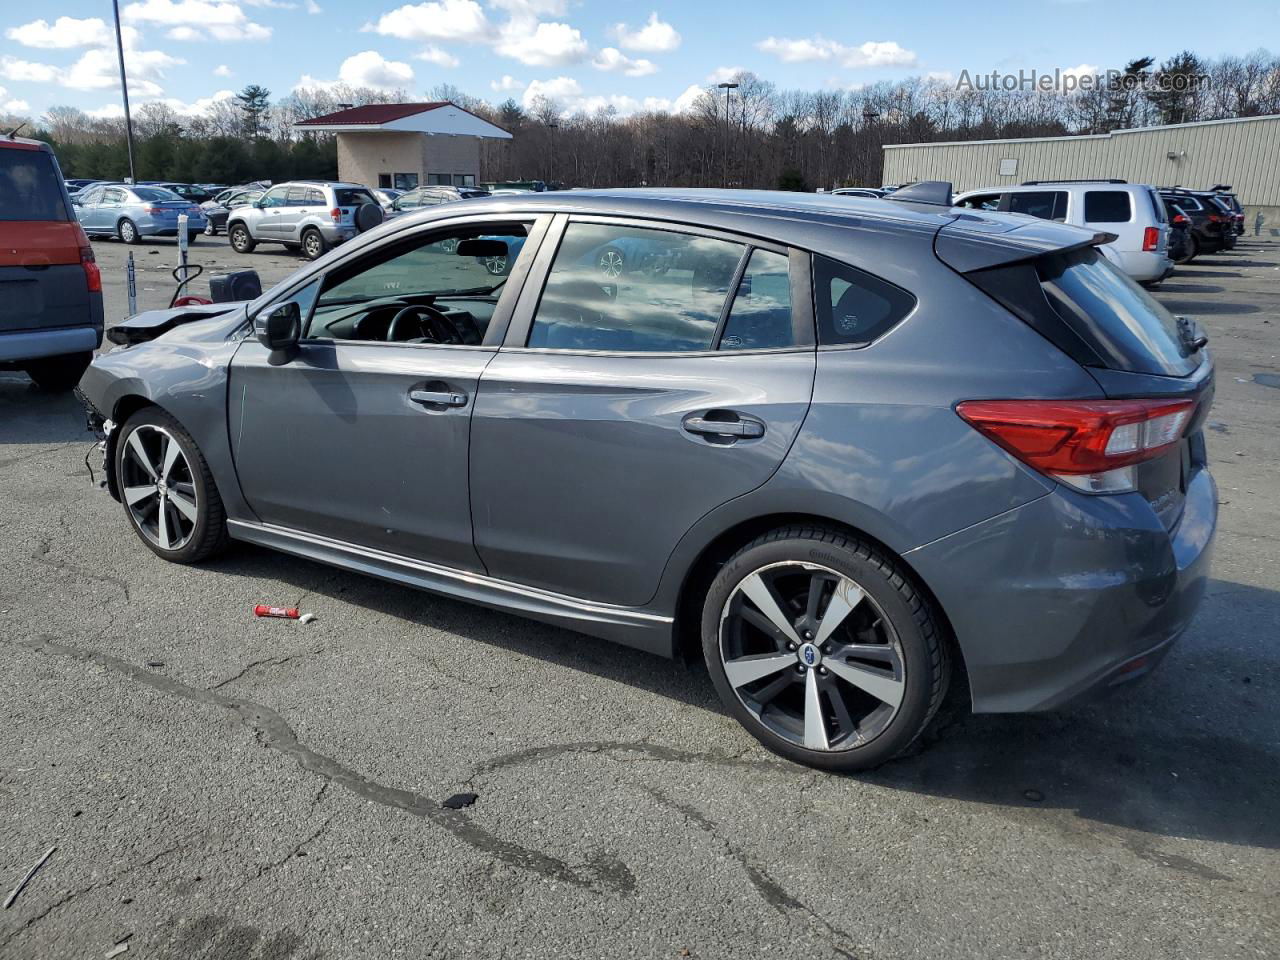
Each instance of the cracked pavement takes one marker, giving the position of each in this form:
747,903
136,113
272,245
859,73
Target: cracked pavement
273,790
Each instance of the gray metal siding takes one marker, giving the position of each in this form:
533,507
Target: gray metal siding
1243,153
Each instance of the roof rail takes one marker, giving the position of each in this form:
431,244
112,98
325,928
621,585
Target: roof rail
937,192
1222,188
1037,183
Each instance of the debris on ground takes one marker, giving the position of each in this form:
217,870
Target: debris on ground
155,663
1035,796
119,948
460,800
288,613
307,618
32,872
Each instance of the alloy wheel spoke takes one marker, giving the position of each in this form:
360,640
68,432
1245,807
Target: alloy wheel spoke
184,506
171,452
846,597
815,727
746,669
880,652
140,455
133,495
843,722
162,526
817,584
758,620
759,593
878,683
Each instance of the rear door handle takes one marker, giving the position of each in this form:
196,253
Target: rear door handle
746,429
439,398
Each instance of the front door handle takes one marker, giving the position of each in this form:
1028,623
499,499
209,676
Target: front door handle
438,398
747,429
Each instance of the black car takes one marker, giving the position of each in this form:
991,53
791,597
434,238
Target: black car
1180,250
1211,228
1225,194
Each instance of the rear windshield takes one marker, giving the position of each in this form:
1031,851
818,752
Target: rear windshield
1127,328
29,187
353,198
155,194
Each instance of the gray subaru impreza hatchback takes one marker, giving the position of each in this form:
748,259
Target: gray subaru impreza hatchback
849,450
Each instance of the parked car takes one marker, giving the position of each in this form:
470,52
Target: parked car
187,191
79,183
1226,194
873,193
1211,229
433,196
386,196
50,287
313,215
721,458
1180,249
1133,212
134,212
218,209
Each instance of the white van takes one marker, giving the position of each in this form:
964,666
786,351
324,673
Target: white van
1133,212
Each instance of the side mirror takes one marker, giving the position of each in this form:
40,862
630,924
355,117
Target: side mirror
279,330
258,204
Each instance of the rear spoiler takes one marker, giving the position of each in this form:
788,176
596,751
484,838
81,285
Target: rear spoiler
972,242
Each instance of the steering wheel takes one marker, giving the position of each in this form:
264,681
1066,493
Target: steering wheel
432,326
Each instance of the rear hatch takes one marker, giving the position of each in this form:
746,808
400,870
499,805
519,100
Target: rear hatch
1055,280
350,199
42,280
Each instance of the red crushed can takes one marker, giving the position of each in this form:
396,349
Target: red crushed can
262,610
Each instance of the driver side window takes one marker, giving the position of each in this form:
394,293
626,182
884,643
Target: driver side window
438,288
278,197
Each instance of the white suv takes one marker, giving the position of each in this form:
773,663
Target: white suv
311,214
1131,211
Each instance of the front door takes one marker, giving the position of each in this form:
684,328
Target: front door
269,223
363,435
659,375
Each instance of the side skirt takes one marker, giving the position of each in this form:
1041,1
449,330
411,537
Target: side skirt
650,632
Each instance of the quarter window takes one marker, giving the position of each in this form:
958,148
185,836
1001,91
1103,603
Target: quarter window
1107,206
761,315
1045,204
631,290
854,307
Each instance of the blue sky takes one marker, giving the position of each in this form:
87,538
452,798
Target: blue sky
631,54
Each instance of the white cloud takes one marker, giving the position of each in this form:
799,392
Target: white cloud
546,45
560,89
24,71
16,106
507,84
612,60
313,7
196,107
273,4
111,111
680,104
197,19
461,20
724,74
100,70
656,36
441,58
222,70
942,76
873,53
66,33
532,8
369,69
1082,70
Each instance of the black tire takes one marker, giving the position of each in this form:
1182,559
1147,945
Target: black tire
127,231
898,609
208,533
314,245
61,373
241,240
210,229
192,236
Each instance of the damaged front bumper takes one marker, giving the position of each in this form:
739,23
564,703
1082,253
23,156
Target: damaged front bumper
103,451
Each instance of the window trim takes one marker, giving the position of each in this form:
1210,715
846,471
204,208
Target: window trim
799,273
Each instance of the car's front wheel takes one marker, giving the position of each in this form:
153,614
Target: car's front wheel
241,240
314,245
167,490
210,229
823,649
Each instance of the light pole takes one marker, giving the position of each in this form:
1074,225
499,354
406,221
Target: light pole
124,91
726,87
553,127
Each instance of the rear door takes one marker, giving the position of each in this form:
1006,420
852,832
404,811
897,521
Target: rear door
657,374
42,283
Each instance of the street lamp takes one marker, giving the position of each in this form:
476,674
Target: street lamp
553,127
726,87
124,91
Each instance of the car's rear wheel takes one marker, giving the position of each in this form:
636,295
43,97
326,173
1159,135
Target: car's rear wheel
823,649
192,236
61,372
128,231
210,229
167,490
241,240
314,245
1193,248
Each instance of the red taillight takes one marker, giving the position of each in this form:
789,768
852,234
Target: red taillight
1217,218
154,211
336,214
1179,219
1086,444
92,275
1150,239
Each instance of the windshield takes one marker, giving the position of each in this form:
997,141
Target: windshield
155,194
29,187
1127,327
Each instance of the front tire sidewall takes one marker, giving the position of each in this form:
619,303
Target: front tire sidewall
876,578
313,245
128,232
241,241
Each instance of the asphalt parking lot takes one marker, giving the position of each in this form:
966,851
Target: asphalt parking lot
219,786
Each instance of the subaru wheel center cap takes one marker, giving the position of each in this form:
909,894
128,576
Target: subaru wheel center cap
809,655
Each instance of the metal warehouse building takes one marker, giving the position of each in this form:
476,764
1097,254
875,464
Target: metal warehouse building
1243,152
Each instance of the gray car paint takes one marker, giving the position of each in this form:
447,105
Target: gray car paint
880,450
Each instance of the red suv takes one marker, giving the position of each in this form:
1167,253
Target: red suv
50,287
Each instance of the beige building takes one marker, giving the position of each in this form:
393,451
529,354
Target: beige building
1244,153
406,145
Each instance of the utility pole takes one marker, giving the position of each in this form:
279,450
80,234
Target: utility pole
553,127
124,92
726,87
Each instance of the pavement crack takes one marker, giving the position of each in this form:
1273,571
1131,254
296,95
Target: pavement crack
41,555
294,851
264,662
274,733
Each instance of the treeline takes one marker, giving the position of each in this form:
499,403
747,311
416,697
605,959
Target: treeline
763,136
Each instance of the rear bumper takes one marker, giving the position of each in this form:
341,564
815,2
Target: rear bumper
34,344
1145,266
1069,595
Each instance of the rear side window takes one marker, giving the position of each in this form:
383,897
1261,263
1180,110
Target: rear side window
854,307
1107,206
352,198
29,187
1126,328
632,290
1045,204
155,194
760,318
